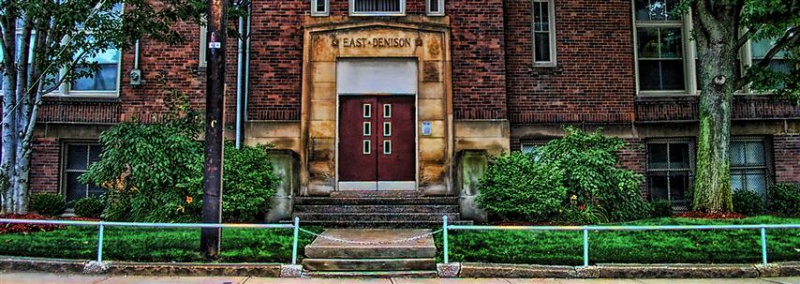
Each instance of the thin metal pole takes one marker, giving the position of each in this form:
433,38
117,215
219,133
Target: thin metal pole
100,243
763,245
444,240
294,246
585,248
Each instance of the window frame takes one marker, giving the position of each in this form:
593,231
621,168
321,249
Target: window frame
690,170
551,15
428,8
687,47
317,13
64,171
352,10
768,161
65,90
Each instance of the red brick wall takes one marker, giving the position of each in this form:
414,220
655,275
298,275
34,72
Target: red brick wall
634,157
594,78
787,157
45,164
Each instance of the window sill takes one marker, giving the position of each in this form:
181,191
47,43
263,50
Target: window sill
84,94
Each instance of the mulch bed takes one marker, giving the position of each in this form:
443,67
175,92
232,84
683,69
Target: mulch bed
703,215
8,228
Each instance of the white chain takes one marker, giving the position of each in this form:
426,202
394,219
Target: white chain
371,243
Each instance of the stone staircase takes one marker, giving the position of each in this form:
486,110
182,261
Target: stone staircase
374,209
374,253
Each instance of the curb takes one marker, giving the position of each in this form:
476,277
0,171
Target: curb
453,269
679,270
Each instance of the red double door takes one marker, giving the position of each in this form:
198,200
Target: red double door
377,139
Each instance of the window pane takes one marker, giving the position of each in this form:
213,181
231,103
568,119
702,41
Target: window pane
755,153
94,153
377,6
671,43
647,42
321,6
102,79
75,189
737,154
678,185
737,181
542,48
757,181
433,6
651,10
541,16
679,156
76,157
658,187
761,47
658,156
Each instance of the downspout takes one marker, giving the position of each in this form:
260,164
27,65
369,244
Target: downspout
239,84
136,56
246,68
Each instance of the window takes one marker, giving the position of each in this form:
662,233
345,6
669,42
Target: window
669,172
377,7
660,41
434,7
319,8
544,46
749,165
77,159
780,63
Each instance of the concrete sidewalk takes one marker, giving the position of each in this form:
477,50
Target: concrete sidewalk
38,278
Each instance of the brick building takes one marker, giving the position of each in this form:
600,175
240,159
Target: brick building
392,94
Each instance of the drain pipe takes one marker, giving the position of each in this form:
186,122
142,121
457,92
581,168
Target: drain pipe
239,84
247,65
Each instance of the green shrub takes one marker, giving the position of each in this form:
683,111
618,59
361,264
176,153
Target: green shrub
154,172
589,161
784,199
748,203
48,204
516,187
89,207
661,208
249,183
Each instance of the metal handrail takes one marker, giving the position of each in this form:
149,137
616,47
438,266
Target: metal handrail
102,224
585,229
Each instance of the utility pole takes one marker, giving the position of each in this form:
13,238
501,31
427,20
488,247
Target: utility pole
215,90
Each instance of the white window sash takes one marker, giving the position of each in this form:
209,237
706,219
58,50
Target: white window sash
434,13
551,16
402,11
317,13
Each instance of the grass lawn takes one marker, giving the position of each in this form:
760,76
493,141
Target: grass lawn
566,248
153,244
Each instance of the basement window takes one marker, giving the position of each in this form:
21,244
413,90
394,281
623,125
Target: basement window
669,172
77,159
377,7
434,7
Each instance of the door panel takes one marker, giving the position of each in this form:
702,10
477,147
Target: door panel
396,138
357,139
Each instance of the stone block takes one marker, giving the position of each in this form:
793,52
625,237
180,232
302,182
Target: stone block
94,267
448,270
438,129
471,168
323,110
322,129
322,48
493,146
431,109
668,271
291,271
482,129
431,90
323,72
383,264
484,270
323,91
432,149
379,243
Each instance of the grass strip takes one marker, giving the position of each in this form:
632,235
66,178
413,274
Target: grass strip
566,248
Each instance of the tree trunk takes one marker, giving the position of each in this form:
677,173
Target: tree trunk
715,31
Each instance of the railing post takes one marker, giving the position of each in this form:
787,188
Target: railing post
763,245
585,247
100,243
444,240
294,245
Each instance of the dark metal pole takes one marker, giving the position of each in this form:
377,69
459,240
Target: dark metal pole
215,89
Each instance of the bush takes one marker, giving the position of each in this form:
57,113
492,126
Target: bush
89,207
515,187
48,204
661,208
154,172
249,183
584,214
591,174
784,199
748,203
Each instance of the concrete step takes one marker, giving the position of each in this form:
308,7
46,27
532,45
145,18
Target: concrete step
371,274
378,224
332,264
372,244
324,200
376,217
439,209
